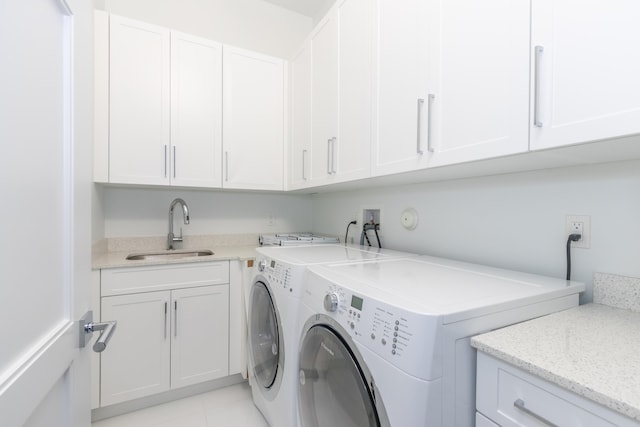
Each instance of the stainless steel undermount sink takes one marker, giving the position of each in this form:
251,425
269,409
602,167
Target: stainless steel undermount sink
167,255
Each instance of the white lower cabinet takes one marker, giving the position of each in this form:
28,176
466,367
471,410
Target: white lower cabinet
199,335
508,396
165,339
137,362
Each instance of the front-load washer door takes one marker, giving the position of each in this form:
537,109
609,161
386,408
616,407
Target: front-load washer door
335,387
265,337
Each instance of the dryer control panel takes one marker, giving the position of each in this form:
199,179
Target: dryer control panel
281,275
407,340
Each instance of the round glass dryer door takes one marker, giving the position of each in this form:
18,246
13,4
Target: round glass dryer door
264,336
333,390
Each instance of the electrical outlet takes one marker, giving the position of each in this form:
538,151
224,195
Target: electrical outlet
371,215
579,224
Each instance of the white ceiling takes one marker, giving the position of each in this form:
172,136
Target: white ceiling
310,8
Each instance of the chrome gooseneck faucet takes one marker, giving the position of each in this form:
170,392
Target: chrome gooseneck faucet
171,238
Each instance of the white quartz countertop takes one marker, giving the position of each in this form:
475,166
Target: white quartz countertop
592,350
112,253
118,259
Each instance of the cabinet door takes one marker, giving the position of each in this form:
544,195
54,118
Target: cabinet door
253,120
324,97
587,71
196,111
401,82
352,148
480,78
138,361
139,103
300,118
200,335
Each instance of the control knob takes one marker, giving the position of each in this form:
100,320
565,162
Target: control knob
331,301
262,265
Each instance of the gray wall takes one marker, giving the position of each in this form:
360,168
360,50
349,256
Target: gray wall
513,221
132,212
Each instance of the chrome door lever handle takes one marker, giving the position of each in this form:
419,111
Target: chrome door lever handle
107,329
88,327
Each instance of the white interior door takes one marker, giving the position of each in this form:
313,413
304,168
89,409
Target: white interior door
45,169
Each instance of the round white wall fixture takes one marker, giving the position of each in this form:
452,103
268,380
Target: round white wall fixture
409,218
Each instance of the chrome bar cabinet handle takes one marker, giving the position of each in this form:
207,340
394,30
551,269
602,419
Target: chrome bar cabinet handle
165,320
333,154
536,96
175,318
329,156
304,172
165,160
429,104
419,130
519,404
174,161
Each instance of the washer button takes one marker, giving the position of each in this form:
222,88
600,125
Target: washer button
384,342
393,352
373,336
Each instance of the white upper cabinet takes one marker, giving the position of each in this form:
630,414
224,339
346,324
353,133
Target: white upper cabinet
164,124
325,80
452,83
253,120
196,111
341,77
139,102
300,118
585,64
353,146
402,81
165,106
477,106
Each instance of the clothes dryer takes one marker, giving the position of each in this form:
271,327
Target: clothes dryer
273,307
386,343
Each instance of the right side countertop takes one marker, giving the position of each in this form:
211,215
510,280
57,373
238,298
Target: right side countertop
592,350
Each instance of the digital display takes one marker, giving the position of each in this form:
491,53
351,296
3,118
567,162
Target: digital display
356,302
273,263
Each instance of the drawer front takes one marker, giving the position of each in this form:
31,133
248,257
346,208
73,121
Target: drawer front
528,405
482,421
510,397
119,281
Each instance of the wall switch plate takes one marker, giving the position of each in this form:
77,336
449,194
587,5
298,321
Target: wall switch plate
579,224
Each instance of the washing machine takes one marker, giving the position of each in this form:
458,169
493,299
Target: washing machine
273,308
386,343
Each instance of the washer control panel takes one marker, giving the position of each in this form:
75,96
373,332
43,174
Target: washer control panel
281,275
406,339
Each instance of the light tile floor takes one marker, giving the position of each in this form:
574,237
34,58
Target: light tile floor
229,406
